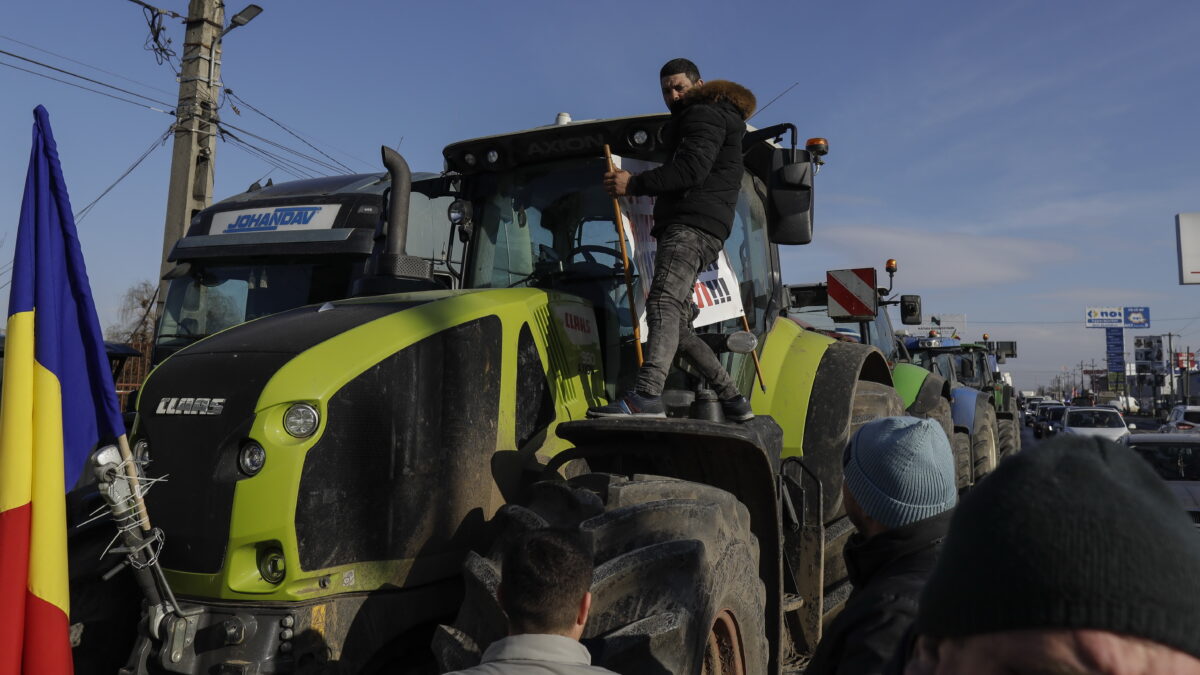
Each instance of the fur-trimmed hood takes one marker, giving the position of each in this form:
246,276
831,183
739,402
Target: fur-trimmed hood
715,91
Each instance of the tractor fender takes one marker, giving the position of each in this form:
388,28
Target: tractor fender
811,380
830,410
918,388
908,380
963,401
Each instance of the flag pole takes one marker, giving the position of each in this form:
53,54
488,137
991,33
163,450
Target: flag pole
131,474
637,325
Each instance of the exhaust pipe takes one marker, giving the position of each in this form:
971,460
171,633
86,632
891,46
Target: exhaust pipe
394,261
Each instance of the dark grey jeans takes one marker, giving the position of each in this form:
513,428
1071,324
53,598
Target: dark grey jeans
682,252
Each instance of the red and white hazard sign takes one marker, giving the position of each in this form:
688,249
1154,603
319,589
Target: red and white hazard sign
852,294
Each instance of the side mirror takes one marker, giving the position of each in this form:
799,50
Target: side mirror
790,198
179,271
1006,350
910,310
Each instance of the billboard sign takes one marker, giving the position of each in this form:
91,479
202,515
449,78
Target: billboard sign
1137,317
1114,352
1187,243
1116,317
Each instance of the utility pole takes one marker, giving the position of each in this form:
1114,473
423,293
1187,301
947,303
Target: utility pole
1171,367
195,145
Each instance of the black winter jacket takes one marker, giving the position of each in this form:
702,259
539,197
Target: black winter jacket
698,185
888,572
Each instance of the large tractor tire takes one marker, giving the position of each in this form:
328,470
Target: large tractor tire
984,440
676,586
1009,437
963,464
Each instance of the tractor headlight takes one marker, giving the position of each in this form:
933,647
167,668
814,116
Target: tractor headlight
493,156
639,138
271,565
301,420
252,458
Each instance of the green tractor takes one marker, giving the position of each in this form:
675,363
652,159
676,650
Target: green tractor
924,393
342,476
982,402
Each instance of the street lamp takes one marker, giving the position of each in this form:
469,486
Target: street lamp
242,18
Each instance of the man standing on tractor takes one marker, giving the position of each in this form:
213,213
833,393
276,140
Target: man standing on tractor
696,191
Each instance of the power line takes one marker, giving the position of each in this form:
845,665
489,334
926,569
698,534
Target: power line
83,77
258,154
157,143
285,128
260,158
276,159
86,65
94,91
225,126
283,164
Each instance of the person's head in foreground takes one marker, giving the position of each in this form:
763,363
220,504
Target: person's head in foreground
898,471
545,580
1072,557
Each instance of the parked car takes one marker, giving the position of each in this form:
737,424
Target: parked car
1176,457
1032,415
1100,421
1048,419
1182,418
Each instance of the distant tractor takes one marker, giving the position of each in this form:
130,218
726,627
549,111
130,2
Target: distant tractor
983,404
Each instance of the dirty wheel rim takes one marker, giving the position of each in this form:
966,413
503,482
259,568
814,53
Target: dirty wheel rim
723,654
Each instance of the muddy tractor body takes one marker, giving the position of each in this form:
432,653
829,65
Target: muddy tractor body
343,475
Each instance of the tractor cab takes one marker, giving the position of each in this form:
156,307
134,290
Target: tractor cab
535,213
279,247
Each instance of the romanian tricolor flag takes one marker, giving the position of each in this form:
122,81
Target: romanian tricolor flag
58,399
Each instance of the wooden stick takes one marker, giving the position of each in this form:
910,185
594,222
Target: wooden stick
754,353
637,325
131,473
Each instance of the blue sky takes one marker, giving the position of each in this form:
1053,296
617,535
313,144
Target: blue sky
1022,160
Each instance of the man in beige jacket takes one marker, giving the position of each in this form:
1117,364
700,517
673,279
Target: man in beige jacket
545,577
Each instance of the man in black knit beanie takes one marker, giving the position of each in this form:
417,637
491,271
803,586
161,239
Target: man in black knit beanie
1072,557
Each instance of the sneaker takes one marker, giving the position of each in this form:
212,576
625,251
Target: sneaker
737,409
632,403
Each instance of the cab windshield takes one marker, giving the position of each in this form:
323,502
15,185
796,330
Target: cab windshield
541,223
969,368
551,225
213,298
1095,419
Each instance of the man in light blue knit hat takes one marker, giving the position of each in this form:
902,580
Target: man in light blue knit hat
899,492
